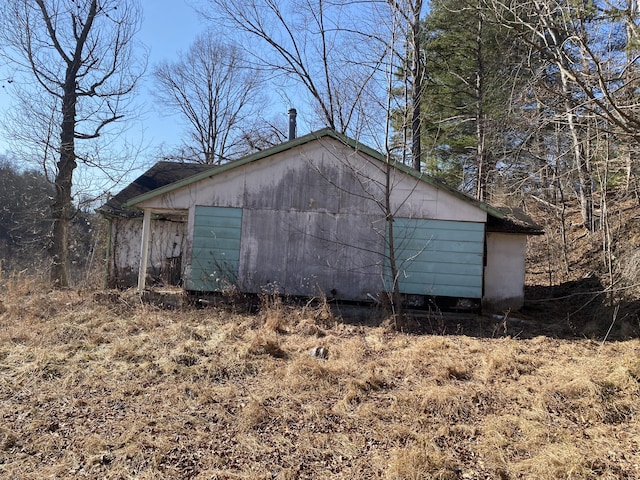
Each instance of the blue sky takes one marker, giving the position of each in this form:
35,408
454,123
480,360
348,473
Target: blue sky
168,26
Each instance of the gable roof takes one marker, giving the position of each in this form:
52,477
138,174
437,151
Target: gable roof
166,176
161,174
314,136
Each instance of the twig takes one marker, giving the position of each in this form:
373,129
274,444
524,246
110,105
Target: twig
544,202
615,316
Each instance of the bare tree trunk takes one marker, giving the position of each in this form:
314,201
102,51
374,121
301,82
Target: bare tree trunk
563,232
410,12
605,225
584,177
558,194
79,55
417,72
633,146
481,154
396,297
62,203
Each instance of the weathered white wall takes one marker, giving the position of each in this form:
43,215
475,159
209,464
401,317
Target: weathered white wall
167,241
322,176
505,272
312,217
305,253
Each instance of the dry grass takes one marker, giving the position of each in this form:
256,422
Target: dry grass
97,385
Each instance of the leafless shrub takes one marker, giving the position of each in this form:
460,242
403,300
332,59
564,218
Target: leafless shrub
319,311
275,312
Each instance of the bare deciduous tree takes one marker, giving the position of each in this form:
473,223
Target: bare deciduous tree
79,56
307,42
410,13
212,87
586,55
593,45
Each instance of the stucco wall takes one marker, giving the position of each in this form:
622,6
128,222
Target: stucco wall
504,272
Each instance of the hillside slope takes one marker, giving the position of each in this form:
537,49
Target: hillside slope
585,283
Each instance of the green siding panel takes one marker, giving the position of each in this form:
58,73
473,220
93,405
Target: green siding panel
216,248
202,232
444,246
438,257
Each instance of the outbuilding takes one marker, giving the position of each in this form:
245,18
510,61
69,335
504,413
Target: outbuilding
320,214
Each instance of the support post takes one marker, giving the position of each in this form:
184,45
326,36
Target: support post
144,250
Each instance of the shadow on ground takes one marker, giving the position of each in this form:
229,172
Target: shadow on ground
577,309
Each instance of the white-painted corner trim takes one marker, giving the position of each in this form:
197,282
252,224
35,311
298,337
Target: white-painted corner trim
144,250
